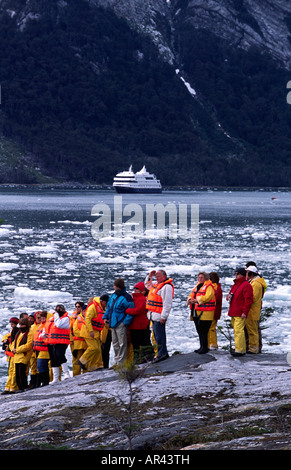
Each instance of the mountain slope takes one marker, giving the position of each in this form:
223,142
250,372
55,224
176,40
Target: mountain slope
89,87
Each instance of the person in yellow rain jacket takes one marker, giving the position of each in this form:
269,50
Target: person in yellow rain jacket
202,306
22,350
34,376
7,340
79,343
252,322
91,332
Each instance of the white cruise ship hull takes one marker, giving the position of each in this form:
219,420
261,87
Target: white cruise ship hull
141,182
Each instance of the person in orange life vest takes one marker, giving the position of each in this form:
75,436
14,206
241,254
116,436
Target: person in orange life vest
202,307
240,298
212,334
79,344
91,359
7,340
139,328
57,336
159,305
41,349
22,350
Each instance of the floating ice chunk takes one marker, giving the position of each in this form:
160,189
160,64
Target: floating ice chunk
8,266
45,295
259,235
75,222
93,254
117,260
281,293
37,248
25,230
118,240
4,232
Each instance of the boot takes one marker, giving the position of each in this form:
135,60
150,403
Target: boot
67,373
56,372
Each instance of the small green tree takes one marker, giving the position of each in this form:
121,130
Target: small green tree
226,331
129,373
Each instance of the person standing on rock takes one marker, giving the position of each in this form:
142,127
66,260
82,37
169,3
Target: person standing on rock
252,322
212,335
57,336
240,298
118,320
202,306
91,330
159,306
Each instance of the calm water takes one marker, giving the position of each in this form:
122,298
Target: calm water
48,254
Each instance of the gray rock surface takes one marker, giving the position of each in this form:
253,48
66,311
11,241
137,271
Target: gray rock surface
191,401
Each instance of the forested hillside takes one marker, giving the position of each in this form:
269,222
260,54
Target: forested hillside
86,94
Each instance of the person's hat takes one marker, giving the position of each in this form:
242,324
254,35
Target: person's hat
104,297
14,320
241,271
140,285
253,269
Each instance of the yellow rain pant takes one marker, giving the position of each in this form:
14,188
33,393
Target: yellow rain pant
11,385
92,357
252,327
212,335
238,325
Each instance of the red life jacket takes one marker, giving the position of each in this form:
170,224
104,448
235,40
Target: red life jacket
97,322
57,335
154,300
38,342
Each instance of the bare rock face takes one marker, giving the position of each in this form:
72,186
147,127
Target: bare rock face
152,17
241,23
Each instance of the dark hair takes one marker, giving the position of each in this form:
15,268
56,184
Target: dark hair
119,283
104,297
24,321
251,263
214,277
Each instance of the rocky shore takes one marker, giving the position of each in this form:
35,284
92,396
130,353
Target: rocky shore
187,402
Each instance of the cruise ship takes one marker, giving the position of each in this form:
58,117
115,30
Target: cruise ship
140,182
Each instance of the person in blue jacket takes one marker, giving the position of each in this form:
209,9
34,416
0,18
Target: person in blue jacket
118,320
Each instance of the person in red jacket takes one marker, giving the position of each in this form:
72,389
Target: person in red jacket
240,299
139,328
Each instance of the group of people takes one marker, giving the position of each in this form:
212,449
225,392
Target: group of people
134,324
245,303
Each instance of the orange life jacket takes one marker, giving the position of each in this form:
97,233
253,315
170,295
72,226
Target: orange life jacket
80,322
57,335
207,306
38,342
154,300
